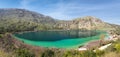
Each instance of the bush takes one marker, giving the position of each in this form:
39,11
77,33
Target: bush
71,53
23,53
48,53
117,47
99,53
111,54
1,35
75,53
5,54
88,53
110,49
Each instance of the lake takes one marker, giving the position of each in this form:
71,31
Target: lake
67,39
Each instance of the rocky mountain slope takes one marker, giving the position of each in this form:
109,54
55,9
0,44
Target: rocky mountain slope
16,20
36,21
87,22
23,14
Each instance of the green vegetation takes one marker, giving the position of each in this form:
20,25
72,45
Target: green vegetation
19,50
99,53
1,35
5,54
117,47
48,53
113,50
16,25
75,53
22,52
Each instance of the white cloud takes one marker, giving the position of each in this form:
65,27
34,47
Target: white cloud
67,10
63,10
25,3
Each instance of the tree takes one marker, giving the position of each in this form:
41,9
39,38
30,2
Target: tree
102,37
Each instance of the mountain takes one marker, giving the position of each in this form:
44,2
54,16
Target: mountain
25,20
27,15
87,22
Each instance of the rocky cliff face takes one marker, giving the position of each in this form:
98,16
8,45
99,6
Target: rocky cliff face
87,22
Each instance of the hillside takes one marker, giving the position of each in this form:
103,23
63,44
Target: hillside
88,22
17,20
36,21
27,15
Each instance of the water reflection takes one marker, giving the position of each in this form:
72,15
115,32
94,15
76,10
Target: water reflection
56,35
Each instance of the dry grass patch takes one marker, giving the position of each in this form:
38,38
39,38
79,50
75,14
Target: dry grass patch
112,54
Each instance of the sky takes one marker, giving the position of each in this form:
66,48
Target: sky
106,10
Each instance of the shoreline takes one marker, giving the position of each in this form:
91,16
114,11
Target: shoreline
88,44
101,47
77,46
92,44
47,30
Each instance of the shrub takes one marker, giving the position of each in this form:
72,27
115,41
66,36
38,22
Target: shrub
6,54
110,49
1,35
89,53
48,53
75,53
111,54
99,53
71,53
117,47
23,53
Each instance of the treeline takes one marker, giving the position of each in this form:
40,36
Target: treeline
16,25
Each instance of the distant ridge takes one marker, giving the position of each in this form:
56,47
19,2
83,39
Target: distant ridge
37,21
11,13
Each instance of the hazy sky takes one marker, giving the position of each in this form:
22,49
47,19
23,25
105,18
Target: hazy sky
107,10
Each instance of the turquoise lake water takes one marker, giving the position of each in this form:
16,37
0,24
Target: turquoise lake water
59,39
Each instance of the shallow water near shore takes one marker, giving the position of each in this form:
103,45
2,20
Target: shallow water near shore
58,39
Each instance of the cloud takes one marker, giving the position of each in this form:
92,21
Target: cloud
25,3
65,11
74,9
69,9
